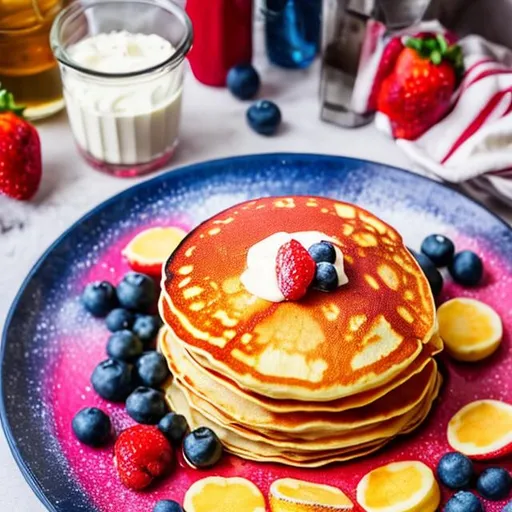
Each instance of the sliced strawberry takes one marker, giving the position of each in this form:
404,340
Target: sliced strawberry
295,270
142,453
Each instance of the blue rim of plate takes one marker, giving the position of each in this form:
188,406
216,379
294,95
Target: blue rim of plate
290,158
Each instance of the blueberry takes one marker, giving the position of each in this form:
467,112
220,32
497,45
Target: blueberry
146,405
146,327
168,506
466,268
264,117
112,380
173,426
99,298
152,369
136,292
455,470
433,275
124,346
202,448
494,483
92,426
243,81
119,319
507,507
326,277
439,249
323,251
464,501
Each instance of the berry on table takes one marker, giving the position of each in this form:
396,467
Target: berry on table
99,298
112,380
119,319
202,448
295,270
124,346
141,454
243,81
136,292
464,501
152,369
146,405
494,483
168,506
264,117
439,248
323,251
455,470
174,426
466,268
92,426
326,277
146,327
433,275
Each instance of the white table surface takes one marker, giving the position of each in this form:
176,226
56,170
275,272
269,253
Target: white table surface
213,127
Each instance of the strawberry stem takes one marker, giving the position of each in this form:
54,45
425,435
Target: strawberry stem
7,103
436,49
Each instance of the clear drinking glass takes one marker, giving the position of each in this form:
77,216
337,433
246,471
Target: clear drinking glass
27,66
125,122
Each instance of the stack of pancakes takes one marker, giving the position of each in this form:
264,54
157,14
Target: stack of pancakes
327,378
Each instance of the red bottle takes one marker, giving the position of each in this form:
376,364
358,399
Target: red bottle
222,37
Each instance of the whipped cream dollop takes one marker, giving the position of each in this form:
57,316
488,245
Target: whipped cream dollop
260,276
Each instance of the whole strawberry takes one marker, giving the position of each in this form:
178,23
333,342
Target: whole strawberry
295,270
418,92
142,453
20,152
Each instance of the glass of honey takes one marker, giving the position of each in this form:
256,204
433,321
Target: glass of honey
27,66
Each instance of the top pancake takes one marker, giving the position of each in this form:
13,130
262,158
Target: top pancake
323,347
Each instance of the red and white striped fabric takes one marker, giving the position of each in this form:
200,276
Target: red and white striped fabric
474,141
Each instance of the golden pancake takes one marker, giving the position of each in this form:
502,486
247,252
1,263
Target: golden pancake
328,452
219,402
212,379
327,345
178,396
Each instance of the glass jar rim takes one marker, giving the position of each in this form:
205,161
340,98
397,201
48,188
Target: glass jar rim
76,8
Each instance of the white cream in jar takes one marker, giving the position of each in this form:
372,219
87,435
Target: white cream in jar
124,120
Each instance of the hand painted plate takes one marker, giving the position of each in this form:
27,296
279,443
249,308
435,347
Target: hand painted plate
50,345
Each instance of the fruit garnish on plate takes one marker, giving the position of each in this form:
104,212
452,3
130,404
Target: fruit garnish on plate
202,448
482,430
295,270
408,486
470,329
464,501
20,151
148,250
494,484
455,470
418,92
142,454
291,495
217,494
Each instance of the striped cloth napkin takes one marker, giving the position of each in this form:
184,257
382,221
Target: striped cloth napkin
473,143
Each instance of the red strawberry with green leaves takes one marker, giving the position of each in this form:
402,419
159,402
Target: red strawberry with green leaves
20,151
295,270
418,92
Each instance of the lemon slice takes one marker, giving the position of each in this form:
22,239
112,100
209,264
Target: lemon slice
291,495
149,250
218,494
482,429
470,329
408,486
